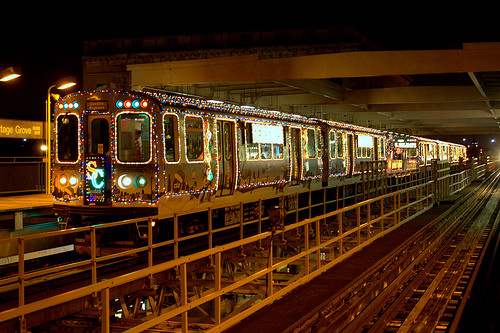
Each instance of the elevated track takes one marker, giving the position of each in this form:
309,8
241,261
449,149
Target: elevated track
169,287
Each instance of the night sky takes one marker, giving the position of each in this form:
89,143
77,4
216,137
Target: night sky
52,48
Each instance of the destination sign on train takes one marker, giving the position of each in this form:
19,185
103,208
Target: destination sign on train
21,129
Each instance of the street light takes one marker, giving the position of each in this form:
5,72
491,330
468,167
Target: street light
61,84
10,73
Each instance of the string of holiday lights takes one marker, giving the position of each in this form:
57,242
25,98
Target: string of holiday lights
158,105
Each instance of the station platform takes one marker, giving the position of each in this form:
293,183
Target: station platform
24,202
21,211
308,299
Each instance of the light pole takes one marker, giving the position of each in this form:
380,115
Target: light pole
62,84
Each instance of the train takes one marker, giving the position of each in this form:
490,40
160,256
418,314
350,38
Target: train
149,152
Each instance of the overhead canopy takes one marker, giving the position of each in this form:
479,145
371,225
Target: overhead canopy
460,95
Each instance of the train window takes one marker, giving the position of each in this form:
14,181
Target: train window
194,139
170,137
332,144
412,152
228,149
99,141
67,138
133,133
311,143
381,148
252,151
264,141
278,151
365,145
340,145
266,152
364,152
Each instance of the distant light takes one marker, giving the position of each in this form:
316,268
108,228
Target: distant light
119,104
43,147
464,139
135,104
492,140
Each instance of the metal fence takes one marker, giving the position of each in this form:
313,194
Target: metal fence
256,266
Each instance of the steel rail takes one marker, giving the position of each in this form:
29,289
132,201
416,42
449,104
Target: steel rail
337,306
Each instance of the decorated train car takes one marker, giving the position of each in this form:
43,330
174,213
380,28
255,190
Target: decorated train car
146,153
403,152
407,152
347,146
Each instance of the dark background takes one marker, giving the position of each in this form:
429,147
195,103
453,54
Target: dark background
46,43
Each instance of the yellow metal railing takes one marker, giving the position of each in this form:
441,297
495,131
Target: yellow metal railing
323,241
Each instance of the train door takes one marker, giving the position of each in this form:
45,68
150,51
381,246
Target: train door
350,154
98,159
227,156
295,156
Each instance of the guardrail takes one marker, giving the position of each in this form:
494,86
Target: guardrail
323,241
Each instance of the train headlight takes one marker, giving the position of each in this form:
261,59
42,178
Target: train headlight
73,180
140,181
124,181
63,180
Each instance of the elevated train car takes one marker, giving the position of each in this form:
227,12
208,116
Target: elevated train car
406,152
147,153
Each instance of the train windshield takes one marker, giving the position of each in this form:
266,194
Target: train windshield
99,143
67,138
133,137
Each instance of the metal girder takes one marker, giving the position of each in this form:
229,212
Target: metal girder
248,68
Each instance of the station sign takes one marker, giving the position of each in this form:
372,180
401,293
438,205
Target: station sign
21,129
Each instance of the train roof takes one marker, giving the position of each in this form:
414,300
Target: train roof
351,127
168,99
171,99
210,105
396,135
